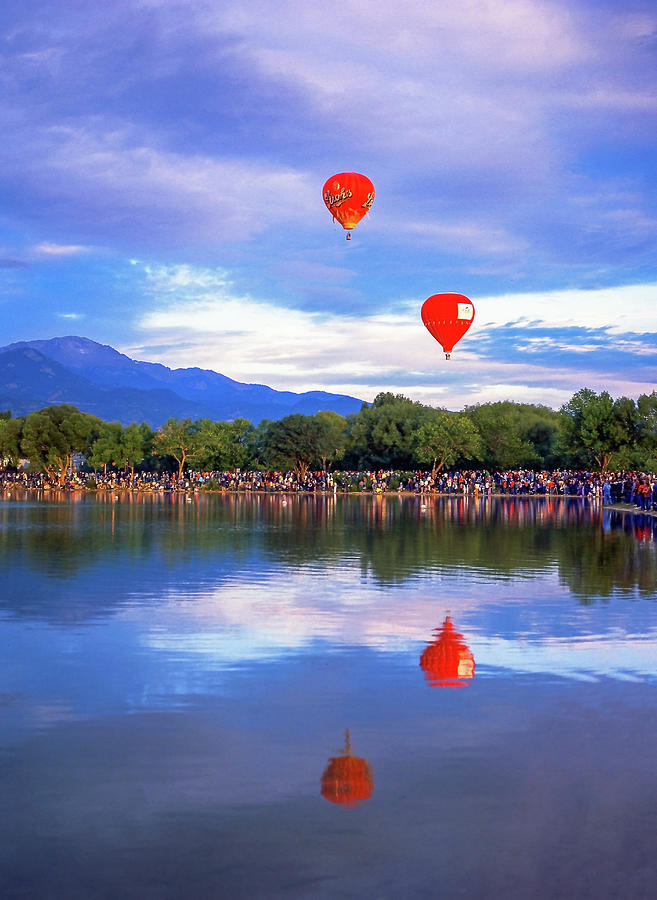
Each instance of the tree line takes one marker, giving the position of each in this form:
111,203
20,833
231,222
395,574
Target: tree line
592,431
593,562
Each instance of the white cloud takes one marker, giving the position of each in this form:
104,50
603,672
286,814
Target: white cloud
113,179
469,89
495,134
463,29
627,308
474,82
196,315
611,97
471,234
50,249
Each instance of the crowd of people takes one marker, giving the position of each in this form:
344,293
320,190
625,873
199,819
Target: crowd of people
635,488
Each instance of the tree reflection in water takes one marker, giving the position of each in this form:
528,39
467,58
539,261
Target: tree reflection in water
596,552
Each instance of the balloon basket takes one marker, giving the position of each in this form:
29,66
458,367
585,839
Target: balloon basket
447,355
348,235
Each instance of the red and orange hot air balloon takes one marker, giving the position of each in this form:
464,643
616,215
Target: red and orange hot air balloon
348,197
347,779
447,661
447,317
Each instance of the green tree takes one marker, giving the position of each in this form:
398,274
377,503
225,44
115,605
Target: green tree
506,429
180,439
595,427
106,448
223,444
135,444
544,436
332,436
255,441
294,442
53,436
381,435
10,440
647,431
445,438
147,440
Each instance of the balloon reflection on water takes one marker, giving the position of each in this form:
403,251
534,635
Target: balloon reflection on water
347,779
448,661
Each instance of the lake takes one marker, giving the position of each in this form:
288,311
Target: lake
363,697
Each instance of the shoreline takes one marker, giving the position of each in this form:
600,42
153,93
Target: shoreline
626,508
630,509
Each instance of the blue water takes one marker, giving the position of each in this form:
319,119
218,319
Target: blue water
176,676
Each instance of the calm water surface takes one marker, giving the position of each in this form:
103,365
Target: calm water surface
356,697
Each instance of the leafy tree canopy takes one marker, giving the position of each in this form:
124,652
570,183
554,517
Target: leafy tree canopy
181,439
332,437
595,427
223,444
53,436
446,438
516,434
295,442
381,435
10,439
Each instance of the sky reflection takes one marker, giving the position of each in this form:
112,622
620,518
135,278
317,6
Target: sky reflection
176,687
154,623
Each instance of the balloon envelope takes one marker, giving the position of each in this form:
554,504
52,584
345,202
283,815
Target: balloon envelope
348,197
447,317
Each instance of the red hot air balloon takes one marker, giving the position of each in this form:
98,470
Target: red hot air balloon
448,660
348,197
347,779
447,317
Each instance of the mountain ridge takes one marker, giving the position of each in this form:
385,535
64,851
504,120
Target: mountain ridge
100,380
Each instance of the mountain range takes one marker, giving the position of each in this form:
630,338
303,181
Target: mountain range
100,380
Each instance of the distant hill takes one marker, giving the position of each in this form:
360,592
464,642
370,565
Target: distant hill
100,380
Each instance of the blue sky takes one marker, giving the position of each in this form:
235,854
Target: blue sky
162,162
